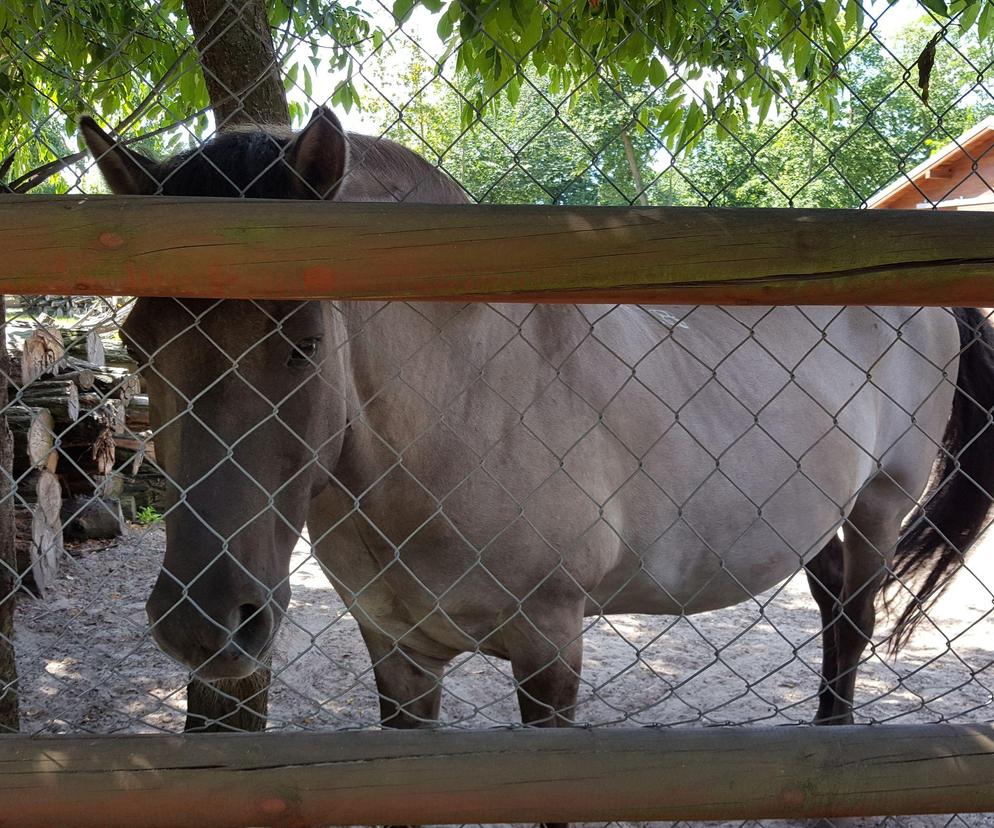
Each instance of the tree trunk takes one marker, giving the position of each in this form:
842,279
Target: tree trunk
59,396
116,356
239,62
145,487
82,378
244,84
88,465
118,383
229,704
633,167
137,414
105,413
9,718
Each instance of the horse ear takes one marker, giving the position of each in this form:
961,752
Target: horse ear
125,171
319,155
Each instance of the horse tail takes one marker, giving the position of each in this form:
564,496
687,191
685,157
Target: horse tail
955,507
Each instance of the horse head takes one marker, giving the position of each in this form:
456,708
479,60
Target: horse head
247,403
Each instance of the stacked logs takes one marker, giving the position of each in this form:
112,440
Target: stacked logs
69,415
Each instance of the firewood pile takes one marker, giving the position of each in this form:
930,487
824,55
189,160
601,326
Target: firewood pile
83,457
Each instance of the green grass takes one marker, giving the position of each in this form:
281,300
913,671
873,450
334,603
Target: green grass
148,515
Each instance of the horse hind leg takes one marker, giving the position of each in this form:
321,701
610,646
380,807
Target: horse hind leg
871,535
825,579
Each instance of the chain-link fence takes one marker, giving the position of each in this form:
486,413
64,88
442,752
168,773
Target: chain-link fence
472,514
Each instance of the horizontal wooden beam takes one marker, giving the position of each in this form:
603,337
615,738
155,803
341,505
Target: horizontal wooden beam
420,777
148,246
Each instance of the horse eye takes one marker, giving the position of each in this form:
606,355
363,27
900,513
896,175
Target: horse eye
303,352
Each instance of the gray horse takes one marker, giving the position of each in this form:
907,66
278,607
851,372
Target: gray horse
482,477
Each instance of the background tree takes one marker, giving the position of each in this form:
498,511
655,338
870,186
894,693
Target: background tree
147,67
138,65
531,152
551,148
810,157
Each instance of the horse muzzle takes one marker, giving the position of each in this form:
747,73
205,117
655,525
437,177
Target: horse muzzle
231,647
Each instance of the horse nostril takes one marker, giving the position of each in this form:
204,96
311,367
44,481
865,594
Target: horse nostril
246,612
252,628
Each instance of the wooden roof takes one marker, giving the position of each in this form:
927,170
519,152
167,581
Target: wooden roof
959,176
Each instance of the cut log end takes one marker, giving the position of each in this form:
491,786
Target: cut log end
38,531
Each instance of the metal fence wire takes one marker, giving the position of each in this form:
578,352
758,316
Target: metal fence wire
458,514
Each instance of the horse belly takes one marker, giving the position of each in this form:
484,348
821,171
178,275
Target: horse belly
682,576
697,536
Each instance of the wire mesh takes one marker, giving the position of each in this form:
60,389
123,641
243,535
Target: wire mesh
382,502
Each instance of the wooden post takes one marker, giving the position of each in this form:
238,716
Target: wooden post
422,777
251,248
229,704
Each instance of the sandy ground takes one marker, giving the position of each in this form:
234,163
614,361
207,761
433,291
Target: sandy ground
87,665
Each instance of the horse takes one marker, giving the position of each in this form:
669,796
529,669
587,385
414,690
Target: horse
482,478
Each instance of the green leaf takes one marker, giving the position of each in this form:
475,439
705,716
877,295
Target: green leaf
444,28
969,16
802,53
937,6
657,73
638,71
986,21
513,91
291,77
854,15
402,9
766,101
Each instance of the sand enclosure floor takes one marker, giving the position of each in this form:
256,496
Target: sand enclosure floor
87,664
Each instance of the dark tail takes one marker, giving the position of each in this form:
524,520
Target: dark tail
955,509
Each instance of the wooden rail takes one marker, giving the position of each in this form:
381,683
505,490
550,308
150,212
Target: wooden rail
296,249
494,776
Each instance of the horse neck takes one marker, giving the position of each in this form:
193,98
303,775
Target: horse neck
381,338
381,170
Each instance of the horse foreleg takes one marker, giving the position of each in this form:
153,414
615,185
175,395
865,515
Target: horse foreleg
409,684
546,661
825,579
546,658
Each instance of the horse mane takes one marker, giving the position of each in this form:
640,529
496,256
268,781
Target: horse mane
250,161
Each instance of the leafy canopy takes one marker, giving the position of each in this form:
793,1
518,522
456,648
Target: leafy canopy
741,57
683,64
133,62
